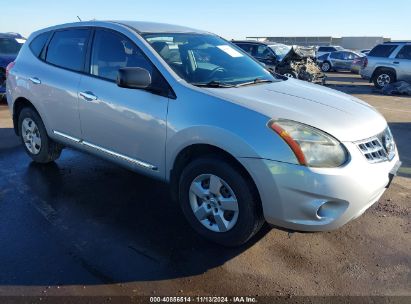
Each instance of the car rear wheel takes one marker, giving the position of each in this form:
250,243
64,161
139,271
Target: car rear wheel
35,139
326,66
382,78
219,202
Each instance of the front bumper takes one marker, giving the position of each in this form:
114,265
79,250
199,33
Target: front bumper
313,199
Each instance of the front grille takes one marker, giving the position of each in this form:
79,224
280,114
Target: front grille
378,148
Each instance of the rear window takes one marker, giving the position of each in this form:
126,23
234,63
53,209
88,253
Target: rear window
382,50
67,49
38,43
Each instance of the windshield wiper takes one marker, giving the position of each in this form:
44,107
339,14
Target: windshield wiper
214,84
255,81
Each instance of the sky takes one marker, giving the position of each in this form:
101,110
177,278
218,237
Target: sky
231,19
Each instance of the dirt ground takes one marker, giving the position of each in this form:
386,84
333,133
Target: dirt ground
83,226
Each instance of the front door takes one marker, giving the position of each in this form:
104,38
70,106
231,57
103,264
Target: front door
127,124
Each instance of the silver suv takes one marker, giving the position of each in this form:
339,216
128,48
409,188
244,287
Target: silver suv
238,145
387,63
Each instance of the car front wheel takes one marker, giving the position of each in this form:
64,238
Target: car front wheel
219,202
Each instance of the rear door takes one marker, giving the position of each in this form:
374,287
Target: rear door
403,63
55,84
126,124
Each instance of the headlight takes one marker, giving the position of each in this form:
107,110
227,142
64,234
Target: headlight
311,146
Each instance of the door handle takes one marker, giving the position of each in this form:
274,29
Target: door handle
88,96
35,80
396,62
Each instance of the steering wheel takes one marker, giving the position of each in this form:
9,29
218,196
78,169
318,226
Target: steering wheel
215,71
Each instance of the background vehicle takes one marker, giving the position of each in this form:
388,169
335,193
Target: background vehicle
293,62
238,145
357,64
328,49
10,44
365,52
387,63
340,60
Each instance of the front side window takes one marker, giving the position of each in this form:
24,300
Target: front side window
262,51
202,59
67,49
405,52
10,46
111,52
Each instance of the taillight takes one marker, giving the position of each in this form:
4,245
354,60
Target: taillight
365,62
9,67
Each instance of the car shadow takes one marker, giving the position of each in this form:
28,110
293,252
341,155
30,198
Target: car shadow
82,220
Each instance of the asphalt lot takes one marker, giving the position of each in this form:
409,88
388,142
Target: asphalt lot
83,226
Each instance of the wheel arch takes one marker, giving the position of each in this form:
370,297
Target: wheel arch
19,104
383,68
197,150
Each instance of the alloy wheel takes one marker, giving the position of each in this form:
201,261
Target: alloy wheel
383,80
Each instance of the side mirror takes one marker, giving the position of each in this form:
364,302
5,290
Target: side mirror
133,78
271,57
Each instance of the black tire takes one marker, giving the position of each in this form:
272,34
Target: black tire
250,218
326,67
382,73
290,74
49,151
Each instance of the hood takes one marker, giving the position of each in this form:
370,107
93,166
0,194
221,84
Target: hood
343,116
299,53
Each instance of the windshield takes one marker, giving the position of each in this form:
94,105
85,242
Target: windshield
11,46
203,59
280,50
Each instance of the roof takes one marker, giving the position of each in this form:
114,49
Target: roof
153,27
255,41
11,35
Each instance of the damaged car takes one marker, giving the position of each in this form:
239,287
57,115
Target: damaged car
290,61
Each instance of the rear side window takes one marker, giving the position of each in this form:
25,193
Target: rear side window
67,49
405,52
382,50
38,43
337,55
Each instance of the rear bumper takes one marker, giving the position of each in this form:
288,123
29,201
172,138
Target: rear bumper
307,199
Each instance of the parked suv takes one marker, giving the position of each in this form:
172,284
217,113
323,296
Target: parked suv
387,63
238,145
10,44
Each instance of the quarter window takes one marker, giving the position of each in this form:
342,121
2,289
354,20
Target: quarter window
67,49
112,52
38,43
405,52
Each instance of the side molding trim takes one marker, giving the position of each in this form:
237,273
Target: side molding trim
109,152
